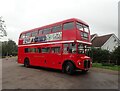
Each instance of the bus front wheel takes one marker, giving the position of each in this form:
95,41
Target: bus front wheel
69,68
26,63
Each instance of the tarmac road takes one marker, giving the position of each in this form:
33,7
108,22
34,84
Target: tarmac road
15,76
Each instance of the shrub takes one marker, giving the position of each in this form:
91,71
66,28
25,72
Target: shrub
105,57
115,55
99,55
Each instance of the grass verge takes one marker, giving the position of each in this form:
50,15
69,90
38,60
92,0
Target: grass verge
99,65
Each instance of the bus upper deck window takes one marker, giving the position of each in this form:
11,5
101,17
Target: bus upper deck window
46,30
79,26
86,28
40,31
22,36
34,33
56,28
84,35
28,34
68,26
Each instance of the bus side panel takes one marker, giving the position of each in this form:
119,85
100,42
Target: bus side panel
69,36
55,60
20,55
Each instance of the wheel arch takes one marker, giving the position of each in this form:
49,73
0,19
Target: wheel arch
26,59
64,63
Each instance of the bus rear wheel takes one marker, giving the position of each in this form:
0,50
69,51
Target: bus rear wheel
26,63
69,68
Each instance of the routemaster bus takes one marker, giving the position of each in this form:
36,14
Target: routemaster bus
62,45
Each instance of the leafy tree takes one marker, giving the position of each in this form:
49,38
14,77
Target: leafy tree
115,56
4,48
9,48
2,28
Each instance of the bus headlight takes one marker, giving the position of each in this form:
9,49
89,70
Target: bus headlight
79,63
91,62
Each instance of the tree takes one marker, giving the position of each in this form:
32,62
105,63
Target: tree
116,55
2,28
9,48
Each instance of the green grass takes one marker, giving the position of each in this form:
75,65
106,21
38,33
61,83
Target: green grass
99,65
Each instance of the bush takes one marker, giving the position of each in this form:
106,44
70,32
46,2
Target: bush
108,64
115,55
99,55
105,57
14,53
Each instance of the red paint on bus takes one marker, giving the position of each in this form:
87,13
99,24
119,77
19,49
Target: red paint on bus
62,45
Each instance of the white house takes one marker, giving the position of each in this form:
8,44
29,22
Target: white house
108,42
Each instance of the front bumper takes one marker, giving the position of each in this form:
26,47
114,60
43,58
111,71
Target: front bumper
84,65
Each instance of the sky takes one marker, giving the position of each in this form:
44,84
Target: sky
22,15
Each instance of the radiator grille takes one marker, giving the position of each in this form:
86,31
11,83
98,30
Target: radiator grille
86,64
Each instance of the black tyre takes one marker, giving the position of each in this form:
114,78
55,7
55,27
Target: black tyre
69,68
26,63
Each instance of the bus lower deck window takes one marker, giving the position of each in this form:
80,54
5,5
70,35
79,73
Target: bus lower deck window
66,48
39,50
26,50
56,50
72,48
45,50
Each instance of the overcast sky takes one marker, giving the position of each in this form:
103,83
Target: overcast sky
22,15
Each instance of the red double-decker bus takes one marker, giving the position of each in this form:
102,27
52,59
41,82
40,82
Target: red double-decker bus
62,45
